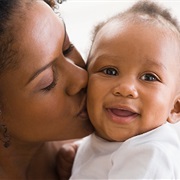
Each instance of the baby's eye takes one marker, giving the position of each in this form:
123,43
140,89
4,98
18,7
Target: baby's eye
149,77
110,71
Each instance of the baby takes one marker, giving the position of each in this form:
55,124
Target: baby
133,96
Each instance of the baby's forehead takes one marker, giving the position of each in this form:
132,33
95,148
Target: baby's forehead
141,30
159,26
140,23
144,20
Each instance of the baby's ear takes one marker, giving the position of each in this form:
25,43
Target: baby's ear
174,115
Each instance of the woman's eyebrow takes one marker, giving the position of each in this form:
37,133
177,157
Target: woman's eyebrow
36,73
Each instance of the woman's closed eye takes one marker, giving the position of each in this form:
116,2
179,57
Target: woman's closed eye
50,86
48,80
67,45
68,50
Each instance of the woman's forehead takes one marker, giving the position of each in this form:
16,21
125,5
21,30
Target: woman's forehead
40,25
40,36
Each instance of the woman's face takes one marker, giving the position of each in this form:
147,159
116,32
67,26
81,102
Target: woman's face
43,99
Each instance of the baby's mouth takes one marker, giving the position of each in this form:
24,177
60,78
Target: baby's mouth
121,115
122,112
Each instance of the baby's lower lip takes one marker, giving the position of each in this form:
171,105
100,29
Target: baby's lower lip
121,116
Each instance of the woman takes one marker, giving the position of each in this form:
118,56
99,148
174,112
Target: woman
42,89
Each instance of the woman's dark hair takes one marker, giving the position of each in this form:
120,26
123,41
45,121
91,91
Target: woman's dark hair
9,10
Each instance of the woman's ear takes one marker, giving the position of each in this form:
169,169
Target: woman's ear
174,115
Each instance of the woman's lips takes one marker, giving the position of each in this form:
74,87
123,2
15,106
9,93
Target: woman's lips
83,110
121,116
83,113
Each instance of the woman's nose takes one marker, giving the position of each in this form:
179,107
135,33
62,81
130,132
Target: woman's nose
77,80
126,89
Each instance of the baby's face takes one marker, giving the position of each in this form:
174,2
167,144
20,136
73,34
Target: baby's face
132,79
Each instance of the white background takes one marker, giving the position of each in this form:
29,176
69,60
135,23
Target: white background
81,16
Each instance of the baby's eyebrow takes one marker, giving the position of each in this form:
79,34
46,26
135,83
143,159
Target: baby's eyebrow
154,63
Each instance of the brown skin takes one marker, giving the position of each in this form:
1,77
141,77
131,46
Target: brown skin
43,98
133,69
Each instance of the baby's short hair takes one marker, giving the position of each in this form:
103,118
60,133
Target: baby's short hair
144,7
148,12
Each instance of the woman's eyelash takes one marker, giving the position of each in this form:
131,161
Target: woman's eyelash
68,50
51,86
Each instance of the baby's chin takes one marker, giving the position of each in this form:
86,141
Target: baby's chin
113,137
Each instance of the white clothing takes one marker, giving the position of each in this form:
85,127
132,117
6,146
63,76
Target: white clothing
152,155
